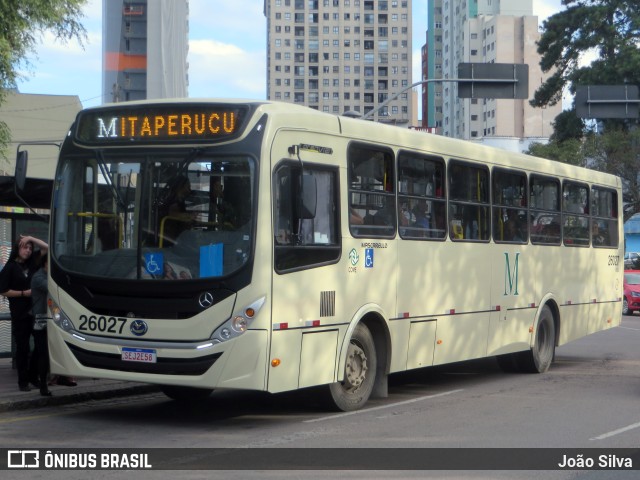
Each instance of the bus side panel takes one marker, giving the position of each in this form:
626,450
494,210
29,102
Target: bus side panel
447,281
513,298
286,346
421,344
318,358
461,337
606,281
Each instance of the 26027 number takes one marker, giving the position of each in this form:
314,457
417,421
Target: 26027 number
93,323
614,260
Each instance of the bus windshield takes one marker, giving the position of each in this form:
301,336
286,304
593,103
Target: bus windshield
153,216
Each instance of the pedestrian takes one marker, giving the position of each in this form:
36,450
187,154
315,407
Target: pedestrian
15,284
39,309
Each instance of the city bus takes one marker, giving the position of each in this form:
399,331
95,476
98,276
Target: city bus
211,244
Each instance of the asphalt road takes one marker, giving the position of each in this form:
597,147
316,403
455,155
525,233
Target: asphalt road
589,399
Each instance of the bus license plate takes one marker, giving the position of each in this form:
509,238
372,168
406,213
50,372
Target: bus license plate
144,355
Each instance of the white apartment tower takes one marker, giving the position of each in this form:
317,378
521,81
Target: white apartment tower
485,31
341,55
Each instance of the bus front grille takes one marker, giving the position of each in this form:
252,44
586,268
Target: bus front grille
164,365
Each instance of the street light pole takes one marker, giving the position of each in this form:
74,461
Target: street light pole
495,75
396,95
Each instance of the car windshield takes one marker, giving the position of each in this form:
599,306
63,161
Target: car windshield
632,278
154,217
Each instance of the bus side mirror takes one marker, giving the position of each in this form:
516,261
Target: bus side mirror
20,174
308,197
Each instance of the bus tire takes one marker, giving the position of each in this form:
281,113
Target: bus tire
625,307
359,372
540,357
186,394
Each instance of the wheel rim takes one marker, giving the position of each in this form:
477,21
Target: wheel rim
355,368
625,306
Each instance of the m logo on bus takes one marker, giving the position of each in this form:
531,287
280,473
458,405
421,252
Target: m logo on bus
511,275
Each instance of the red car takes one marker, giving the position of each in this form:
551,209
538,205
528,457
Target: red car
631,300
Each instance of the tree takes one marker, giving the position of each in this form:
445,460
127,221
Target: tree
565,144
611,30
617,151
21,22
610,27
569,151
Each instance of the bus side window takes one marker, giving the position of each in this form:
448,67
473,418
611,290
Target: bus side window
469,201
575,206
544,217
371,191
422,211
604,211
510,206
305,242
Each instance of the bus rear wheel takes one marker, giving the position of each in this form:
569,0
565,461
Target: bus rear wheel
359,372
540,357
186,394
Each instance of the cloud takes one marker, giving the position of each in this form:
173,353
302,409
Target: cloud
218,69
50,44
545,8
238,22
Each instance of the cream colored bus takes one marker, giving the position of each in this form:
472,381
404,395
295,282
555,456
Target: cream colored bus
253,245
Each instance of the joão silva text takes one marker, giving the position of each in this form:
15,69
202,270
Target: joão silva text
604,461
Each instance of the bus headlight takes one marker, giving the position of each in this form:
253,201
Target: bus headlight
59,318
238,323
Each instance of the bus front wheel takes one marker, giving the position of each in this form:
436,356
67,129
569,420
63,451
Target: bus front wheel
359,372
186,394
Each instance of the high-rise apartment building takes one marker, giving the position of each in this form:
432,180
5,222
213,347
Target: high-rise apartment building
483,31
341,55
144,49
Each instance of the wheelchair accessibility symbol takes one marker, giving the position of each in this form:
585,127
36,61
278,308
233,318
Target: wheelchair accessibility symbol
154,263
368,258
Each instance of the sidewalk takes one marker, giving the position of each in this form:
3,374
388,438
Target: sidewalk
11,398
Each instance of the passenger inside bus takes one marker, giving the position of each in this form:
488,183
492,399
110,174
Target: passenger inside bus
421,215
225,214
172,210
512,234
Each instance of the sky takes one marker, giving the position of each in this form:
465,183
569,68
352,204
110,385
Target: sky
227,52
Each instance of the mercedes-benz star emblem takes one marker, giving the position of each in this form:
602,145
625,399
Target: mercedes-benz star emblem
139,327
205,300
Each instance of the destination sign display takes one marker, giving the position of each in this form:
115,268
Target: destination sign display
160,124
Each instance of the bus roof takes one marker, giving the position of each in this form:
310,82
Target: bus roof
301,117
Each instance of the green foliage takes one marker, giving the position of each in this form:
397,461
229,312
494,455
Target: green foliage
567,125
568,151
5,136
21,23
617,151
611,28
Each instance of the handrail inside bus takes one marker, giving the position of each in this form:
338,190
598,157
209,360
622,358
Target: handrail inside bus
103,215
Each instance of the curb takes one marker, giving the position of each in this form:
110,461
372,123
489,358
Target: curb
67,399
